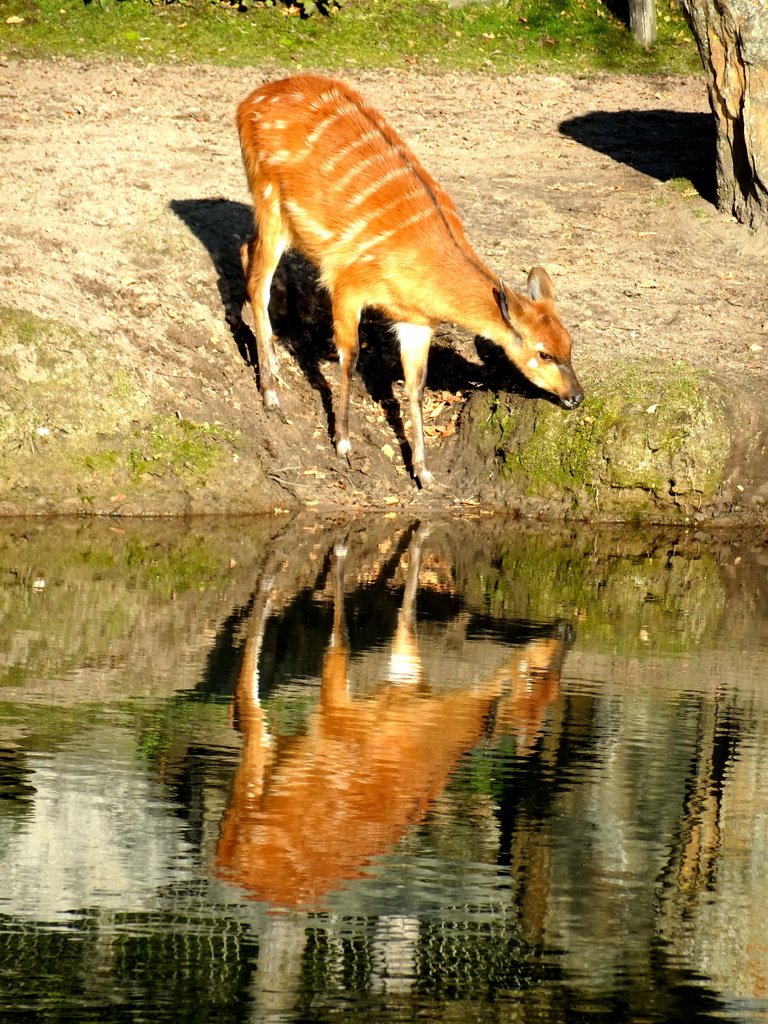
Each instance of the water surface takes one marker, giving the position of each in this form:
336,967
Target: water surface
390,770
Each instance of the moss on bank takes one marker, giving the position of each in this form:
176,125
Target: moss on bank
80,431
651,437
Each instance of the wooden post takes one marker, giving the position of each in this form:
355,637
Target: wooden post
642,21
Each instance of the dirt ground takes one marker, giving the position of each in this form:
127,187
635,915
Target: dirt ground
124,203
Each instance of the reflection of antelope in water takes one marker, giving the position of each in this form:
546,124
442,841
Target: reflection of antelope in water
309,812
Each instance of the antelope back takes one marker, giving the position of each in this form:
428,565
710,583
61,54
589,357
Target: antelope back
347,190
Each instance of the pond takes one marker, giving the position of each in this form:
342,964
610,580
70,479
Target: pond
458,769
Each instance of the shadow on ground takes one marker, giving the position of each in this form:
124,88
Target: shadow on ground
663,144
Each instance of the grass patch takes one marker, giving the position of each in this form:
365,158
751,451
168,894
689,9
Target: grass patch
503,37
684,188
187,449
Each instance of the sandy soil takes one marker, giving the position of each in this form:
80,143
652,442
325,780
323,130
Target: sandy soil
124,203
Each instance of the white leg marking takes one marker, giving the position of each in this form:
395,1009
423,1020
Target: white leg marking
413,336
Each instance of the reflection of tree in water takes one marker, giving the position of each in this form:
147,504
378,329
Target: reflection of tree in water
713,853
692,868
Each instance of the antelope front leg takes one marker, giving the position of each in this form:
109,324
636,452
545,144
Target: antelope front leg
345,331
415,340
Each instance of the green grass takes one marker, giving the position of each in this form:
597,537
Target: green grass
188,449
581,36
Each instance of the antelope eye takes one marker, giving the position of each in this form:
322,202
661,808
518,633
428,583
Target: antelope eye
545,357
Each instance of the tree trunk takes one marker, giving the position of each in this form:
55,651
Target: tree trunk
642,21
732,36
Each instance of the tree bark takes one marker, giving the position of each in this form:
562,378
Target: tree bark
732,36
642,21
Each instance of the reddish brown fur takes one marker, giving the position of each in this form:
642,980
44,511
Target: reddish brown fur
331,178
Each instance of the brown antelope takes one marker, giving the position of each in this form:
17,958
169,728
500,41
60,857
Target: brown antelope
308,812
332,179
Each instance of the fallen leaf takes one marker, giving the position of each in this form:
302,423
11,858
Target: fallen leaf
391,500
14,20
118,497
388,450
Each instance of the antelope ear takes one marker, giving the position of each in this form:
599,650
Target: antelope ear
540,287
503,302
505,297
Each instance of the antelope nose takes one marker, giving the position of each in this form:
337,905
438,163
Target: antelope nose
573,401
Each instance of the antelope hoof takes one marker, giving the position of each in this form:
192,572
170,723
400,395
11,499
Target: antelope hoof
343,448
425,478
272,406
